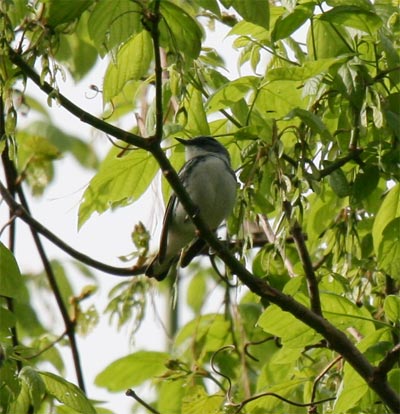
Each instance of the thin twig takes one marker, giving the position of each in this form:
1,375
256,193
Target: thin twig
25,216
312,283
131,393
47,347
279,397
321,375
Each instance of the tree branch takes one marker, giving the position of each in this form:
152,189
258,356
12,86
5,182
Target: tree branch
354,154
387,363
155,34
82,115
312,283
10,179
69,324
21,212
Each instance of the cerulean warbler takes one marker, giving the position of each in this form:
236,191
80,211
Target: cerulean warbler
211,184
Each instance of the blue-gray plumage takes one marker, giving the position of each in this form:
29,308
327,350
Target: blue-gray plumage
211,184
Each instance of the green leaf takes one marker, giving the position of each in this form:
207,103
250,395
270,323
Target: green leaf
389,249
35,160
77,51
353,388
256,12
35,384
179,31
197,123
325,41
64,11
132,370
119,181
301,73
276,99
388,211
208,332
22,403
132,63
196,292
7,318
343,313
64,142
169,399
354,17
293,333
10,275
365,183
113,22
231,93
288,23
197,401
313,121
67,393
269,404
338,181
391,307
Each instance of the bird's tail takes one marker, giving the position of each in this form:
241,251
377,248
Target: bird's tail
160,270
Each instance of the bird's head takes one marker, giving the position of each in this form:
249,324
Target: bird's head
204,145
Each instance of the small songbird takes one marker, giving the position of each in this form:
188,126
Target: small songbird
211,184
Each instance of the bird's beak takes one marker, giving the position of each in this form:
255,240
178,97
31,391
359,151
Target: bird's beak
182,141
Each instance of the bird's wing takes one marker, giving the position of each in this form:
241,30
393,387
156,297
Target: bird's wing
166,222
172,203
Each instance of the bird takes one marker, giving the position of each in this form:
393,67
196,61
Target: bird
211,184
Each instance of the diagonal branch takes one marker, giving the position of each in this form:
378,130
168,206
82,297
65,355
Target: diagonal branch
75,110
312,283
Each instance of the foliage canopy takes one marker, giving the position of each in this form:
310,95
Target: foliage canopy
310,319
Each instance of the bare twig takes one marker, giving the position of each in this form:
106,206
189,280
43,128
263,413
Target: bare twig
312,283
321,375
279,397
24,215
131,393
